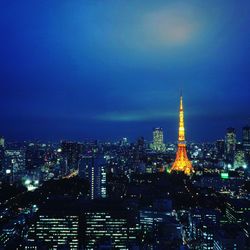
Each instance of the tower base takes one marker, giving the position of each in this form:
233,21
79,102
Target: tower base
182,162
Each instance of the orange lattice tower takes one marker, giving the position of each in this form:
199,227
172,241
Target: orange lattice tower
182,162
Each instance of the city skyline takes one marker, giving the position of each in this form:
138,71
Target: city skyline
125,125
83,71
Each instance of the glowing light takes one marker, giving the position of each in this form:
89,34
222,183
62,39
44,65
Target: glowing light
182,162
244,166
27,182
224,175
8,171
31,188
170,26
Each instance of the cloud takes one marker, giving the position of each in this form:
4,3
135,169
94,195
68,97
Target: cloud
135,116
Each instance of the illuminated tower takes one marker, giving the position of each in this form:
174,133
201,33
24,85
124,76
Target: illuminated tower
182,162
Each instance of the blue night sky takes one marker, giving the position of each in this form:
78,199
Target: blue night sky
108,69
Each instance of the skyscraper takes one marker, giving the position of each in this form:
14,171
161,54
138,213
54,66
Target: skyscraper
56,226
230,144
246,138
55,232
72,151
246,143
97,178
158,144
14,163
35,156
92,168
2,142
220,148
85,164
239,157
110,226
182,162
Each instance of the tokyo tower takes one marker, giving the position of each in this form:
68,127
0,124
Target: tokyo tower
182,162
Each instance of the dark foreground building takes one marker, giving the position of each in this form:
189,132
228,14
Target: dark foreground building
73,224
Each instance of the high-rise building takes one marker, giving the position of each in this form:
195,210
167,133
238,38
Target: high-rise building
100,225
56,231
110,228
246,138
220,148
14,163
7,235
235,209
35,156
230,143
158,144
92,168
239,157
72,151
139,150
207,237
163,225
67,223
149,219
182,162
64,165
230,237
246,143
2,142
57,226
124,141
97,179
202,222
85,164
1,158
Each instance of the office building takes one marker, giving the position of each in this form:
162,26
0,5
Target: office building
239,157
93,169
35,156
230,237
230,144
109,226
86,162
246,143
207,236
57,226
97,178
220,148
2,142
236,209
202,221
14,163
100,225
158,144
71,151
246,138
